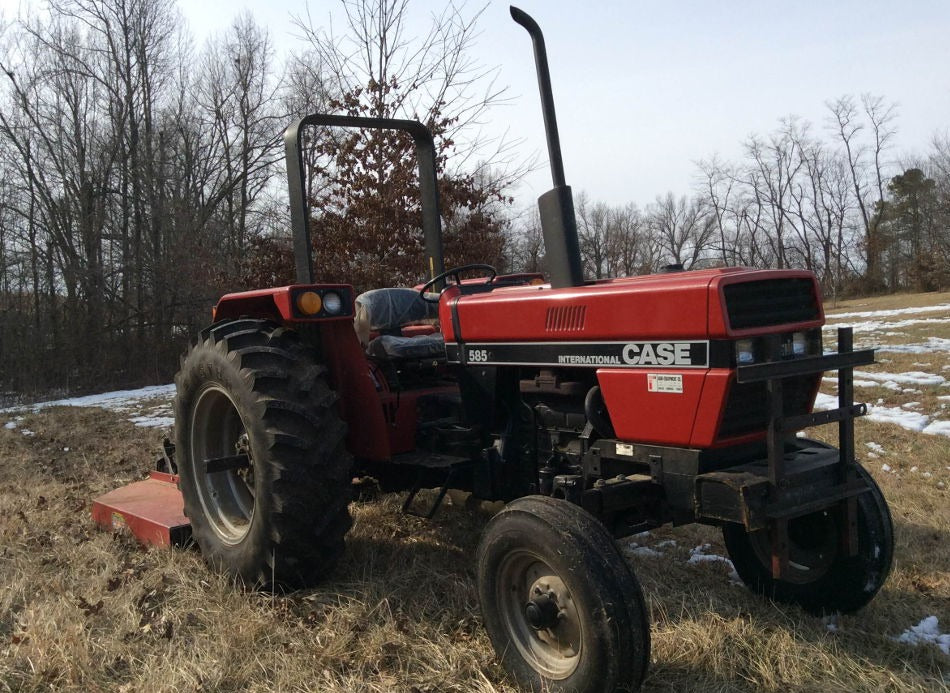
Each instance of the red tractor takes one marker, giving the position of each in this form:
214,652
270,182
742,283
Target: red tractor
594,409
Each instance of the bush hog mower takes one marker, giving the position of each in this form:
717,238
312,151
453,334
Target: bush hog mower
594,409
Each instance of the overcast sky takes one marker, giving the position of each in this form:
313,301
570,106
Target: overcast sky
643,90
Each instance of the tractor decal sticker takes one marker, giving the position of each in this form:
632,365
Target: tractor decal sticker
665,382
678,354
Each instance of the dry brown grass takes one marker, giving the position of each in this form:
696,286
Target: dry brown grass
893,301
82,610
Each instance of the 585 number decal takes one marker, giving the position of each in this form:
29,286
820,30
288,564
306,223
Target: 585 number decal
478,355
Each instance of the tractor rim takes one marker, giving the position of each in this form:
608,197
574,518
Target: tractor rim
540,615
812,547
227,496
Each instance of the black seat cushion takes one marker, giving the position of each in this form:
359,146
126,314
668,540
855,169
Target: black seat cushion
390,347
389,309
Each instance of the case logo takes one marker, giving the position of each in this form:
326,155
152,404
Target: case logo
672,354
657,354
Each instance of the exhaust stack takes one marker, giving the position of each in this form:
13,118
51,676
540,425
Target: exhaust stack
556,206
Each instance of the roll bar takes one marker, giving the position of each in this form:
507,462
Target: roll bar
297,186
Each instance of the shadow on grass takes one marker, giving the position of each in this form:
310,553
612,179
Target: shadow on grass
688,600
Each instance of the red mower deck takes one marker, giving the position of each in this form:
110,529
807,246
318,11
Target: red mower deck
151,509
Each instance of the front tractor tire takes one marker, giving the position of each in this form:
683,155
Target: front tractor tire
563,609
264,475
820,578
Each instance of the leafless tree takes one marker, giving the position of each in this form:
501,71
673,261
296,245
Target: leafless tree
682,227
866,165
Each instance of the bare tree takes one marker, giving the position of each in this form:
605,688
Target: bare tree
866,166
683,228
240,102
420,78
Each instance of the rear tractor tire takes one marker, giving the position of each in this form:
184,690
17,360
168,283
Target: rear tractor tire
563,609
263,471
820,578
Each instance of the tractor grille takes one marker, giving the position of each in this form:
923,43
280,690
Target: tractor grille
771,302
565,319
747,407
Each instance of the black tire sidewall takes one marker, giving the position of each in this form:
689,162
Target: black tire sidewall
849,583
607,595
302,471
211,367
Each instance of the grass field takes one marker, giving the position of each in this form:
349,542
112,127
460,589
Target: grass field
83,610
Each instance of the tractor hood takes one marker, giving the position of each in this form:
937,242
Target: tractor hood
705,304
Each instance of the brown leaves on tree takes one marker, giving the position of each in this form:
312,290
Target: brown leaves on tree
366,211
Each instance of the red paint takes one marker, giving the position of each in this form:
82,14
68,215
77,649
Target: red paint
661,418
682,305
718,315
711,406
153,510
274,304
359,405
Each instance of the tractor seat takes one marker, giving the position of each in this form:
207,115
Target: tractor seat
392,348
387,325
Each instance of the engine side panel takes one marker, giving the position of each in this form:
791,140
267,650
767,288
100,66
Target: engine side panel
662,345
653,406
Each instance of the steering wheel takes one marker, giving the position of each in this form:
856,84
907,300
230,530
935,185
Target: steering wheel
455,272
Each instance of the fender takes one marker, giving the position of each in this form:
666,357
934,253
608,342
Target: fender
280,304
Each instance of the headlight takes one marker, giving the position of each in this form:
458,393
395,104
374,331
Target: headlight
309,302
332,303
799,344
745,351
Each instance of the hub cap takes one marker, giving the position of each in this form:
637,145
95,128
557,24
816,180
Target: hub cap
540,615
222,465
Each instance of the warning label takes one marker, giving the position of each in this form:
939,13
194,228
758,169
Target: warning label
664,382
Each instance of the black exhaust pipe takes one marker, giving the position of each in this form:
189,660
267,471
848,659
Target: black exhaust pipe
556,206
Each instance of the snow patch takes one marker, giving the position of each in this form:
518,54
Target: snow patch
907,378
645,551
911,420
933,344
134,403
871,383
882,328
937,428
927,632
699,555
876,447
10,425
153,421
886,468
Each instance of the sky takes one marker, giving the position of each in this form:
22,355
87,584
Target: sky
644,90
